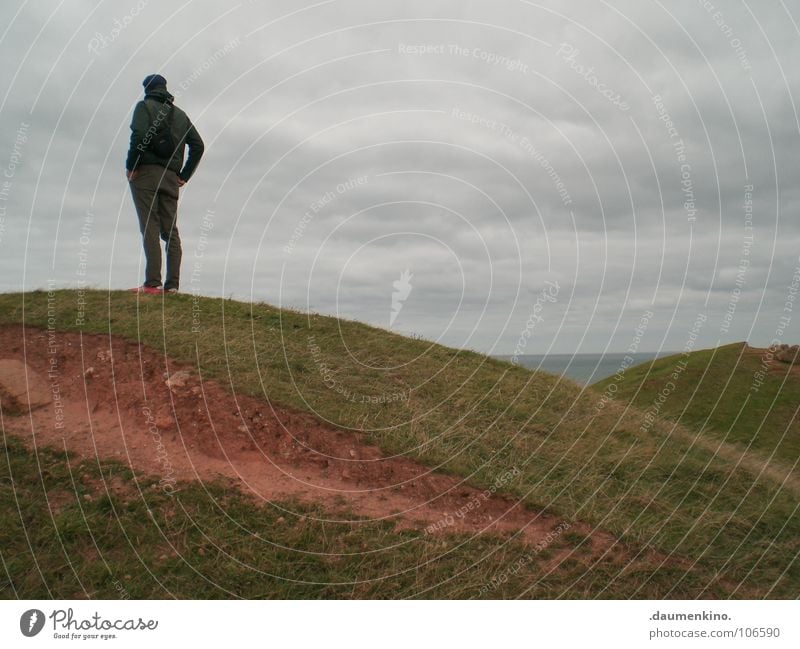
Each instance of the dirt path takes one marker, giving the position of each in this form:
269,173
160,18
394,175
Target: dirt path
113,401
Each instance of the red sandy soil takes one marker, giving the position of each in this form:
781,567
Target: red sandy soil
118,404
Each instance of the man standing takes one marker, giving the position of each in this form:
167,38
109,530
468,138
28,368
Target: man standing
159,133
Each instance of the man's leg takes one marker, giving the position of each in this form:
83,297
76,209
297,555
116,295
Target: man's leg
168,217
145,198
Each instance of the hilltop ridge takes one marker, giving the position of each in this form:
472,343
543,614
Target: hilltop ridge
710,515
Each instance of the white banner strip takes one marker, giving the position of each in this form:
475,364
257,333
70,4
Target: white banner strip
379,625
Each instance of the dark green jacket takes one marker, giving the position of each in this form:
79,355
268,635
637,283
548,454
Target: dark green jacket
159,102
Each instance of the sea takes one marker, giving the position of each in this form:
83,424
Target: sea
583,368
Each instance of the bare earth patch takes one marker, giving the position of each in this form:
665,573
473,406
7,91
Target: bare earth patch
110,398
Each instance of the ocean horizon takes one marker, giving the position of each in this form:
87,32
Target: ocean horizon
583,368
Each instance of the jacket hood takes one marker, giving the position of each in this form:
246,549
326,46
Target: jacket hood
159,93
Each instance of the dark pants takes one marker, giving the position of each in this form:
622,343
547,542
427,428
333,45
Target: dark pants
155,195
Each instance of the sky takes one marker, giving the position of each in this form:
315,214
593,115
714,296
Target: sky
510,177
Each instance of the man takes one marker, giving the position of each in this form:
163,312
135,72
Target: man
159,133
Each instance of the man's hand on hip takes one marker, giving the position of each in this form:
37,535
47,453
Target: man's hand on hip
181,182
130,174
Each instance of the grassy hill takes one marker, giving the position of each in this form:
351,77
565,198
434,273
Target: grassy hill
84,529
725,393
733,527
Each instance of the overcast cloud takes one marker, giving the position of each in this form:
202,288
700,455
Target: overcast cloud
492,149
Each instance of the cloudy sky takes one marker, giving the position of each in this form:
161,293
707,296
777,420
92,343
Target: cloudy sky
556,172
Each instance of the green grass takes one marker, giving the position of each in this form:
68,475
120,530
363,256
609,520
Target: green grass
86,529
719,392
661,486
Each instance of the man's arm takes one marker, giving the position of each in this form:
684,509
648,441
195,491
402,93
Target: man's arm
196,147
139,125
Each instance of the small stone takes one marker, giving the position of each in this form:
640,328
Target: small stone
201,552
87,497
280,519
22,389
352,453
88,373
178,379
788,353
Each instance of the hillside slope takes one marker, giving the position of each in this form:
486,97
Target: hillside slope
464,414
311,510
736,393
